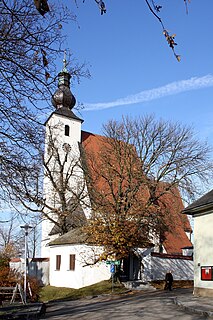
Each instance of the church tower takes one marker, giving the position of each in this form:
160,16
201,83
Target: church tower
63,175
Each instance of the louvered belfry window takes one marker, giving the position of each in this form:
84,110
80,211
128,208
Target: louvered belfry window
72,262
67,130
58,262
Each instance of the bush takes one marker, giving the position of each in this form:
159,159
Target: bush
9,278
34,287
4,262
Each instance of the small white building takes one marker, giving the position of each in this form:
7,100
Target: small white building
72,262
202,212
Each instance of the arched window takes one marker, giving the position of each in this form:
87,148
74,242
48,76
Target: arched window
67,130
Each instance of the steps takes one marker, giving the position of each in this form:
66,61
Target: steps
138,285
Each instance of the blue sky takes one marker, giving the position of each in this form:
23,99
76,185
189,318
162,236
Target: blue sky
134,71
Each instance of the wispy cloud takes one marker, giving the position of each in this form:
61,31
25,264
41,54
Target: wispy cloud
173,88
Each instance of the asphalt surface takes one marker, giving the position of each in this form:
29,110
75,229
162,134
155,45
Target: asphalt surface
149,305
199,305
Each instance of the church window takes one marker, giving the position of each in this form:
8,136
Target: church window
72,262
67,130
58,262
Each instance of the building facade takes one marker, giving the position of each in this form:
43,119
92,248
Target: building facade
202,212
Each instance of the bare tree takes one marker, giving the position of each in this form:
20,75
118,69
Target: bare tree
169,153
155,9
60,170
31,37
34,240
33,237
134,180
10,239
30,44
64,176
12,236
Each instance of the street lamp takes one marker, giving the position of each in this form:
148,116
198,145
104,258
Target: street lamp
26,227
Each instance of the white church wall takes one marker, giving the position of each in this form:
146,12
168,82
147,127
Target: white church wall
58,122
83,275
55,129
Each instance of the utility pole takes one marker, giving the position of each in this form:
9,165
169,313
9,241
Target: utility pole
26,227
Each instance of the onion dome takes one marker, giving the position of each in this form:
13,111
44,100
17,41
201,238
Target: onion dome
63,96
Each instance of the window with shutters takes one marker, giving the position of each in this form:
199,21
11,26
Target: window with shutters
67,130
72,262
58,262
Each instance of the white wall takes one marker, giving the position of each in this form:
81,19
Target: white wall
203,244
55,130
182,269
38,269
83,275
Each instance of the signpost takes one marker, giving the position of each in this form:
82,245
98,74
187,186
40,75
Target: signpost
113,264
26,228
112,268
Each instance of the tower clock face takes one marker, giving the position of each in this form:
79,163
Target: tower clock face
66,147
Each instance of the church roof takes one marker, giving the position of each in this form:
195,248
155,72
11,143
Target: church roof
64,112
67,113
204,203
74,236
178,224
63,100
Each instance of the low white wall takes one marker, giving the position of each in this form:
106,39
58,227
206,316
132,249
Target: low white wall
182,267
37,267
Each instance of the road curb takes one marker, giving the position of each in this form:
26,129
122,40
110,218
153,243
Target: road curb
192,309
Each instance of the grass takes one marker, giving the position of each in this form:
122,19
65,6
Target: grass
50,293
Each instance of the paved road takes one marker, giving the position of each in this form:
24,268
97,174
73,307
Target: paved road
140,305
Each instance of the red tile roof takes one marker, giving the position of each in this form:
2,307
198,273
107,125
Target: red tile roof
175,238
171,256
178,224
15,260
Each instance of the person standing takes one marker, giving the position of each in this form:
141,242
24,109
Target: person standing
169,281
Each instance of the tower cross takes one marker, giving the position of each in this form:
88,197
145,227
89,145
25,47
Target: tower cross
65,62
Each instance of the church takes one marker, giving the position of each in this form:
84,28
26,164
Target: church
71,256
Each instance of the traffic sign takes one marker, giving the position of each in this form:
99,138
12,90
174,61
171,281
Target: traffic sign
112,268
